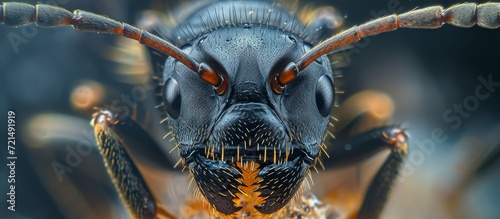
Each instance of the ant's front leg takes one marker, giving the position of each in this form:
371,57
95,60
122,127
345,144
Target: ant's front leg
350,150
378,192
116,136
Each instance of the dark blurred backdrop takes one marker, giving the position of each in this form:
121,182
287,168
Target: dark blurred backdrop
424,72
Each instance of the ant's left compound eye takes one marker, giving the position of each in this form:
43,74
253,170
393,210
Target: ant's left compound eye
324,95
172,98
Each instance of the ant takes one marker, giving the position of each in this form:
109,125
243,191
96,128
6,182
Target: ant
250,107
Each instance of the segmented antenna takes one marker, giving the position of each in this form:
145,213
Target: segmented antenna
462,15
18,14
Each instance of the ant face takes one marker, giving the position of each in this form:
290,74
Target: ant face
250,130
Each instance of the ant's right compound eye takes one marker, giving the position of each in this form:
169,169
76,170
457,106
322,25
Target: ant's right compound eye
172,98
325,95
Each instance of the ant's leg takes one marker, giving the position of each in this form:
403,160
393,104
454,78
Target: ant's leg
137,141
113,137
381,185
351,150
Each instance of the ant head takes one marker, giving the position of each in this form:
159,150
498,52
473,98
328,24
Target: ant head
249,128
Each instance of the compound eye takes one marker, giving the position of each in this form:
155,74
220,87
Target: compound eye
172,98
325,95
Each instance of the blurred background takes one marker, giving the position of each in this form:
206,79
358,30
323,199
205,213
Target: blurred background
54,77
